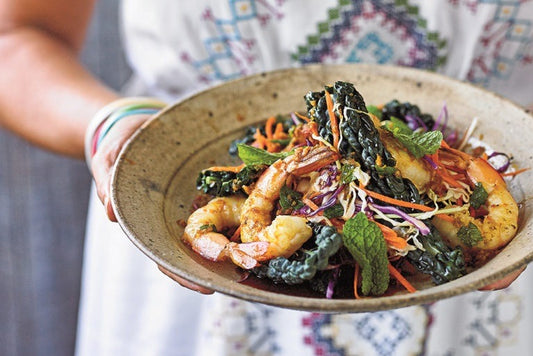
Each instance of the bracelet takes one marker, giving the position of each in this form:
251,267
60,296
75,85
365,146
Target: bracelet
109,115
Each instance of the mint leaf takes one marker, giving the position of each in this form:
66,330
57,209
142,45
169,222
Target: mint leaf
364,239
418,143
479,196
372,109
469,235
252,156
290,199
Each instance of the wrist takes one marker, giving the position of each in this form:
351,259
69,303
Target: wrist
117,110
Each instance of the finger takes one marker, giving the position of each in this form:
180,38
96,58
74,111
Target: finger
504,282
184,282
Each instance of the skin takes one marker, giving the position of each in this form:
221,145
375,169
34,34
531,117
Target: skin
52,107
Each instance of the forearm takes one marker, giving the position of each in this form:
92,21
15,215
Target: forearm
46,96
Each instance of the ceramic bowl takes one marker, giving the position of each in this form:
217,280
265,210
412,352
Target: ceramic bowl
153,186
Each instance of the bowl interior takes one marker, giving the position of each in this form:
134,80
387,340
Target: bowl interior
154,183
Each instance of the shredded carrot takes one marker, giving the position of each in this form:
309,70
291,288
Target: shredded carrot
445,217
310,203
314,128
260,140
391,237
236,235
278,132
356,282
234,169
268,127
305,118
404,282
512,174
333,118
393,201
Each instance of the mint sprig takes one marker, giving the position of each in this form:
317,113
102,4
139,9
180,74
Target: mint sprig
417,142
365,241
253,156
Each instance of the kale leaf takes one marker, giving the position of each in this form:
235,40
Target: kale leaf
438,260
296,271
224,183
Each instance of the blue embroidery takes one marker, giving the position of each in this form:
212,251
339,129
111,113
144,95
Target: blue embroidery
384,330
404,27
372,44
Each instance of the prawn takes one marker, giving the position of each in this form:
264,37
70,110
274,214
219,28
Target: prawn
203,233
261,240
499,226
286,233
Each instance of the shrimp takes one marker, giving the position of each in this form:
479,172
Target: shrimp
497,228
203,228
285,234
500,224
261,240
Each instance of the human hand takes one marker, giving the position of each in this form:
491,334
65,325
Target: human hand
106,155
184,282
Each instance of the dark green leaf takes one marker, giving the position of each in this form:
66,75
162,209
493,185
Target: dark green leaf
252,156
290,199
470,235
374,110
347,173
418,143
479,196
334,211
364,239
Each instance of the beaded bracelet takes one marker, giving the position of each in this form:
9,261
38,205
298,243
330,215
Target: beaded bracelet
109,115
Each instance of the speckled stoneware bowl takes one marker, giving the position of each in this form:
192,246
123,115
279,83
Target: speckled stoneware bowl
154,180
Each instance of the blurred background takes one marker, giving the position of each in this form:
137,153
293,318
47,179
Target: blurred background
43,205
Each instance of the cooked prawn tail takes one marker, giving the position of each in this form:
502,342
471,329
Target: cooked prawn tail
245,255
312,159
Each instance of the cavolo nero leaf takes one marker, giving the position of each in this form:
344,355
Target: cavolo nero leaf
364,239
252,156
418,143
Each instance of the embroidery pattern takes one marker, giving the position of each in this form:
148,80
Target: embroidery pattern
229,51
506,44
378,333
370,31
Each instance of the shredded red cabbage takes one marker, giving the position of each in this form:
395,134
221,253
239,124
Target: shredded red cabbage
430,161
332,282
505,166
414,122
424,230
442,120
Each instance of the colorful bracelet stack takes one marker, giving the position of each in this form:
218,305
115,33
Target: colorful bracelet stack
110,114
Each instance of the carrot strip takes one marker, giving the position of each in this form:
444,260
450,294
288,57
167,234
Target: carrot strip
512,174
333,118
391,237
404,282
268,127
260,140
310,203
393,201
305,118
356,282
278,132
233,169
